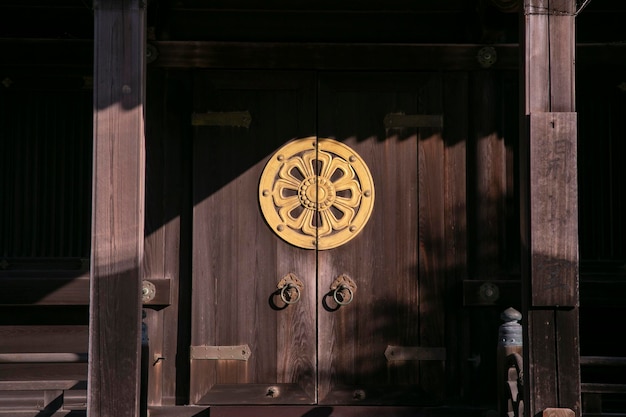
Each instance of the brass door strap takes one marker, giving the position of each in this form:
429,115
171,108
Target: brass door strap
237,353
399,120
415,353
230,118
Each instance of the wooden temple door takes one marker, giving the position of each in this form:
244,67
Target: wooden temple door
317,228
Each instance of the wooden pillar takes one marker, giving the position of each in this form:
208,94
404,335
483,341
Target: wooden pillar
549,208
118,209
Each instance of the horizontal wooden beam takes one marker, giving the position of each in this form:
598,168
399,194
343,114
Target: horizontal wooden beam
327,56
55,289
595,291
345,411
59,288
602,361
178,411
49,339
78,55
39,385
39,413
597,388
16,372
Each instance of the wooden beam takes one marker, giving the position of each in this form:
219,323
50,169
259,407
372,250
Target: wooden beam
549,222
553,209
118,209
327,56
77,54
50,290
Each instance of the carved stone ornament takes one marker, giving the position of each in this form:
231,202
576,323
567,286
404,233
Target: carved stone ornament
316,193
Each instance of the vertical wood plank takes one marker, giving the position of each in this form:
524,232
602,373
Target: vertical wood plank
237,259
118,209
549,207
537,52
431,230
488,183
554,209
167,112
455,99
562,55
154,253
353,338
568,357
541,360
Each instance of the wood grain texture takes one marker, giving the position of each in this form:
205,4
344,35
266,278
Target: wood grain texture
562,54
382,259
327,56
554,209
78,54
568,357
52,339
455,135
488,176
237,259
432,246
549,211
542,360
118,209
168,107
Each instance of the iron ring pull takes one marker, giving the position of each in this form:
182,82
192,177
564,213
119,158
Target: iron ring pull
338,295
286,294
343,289
290,288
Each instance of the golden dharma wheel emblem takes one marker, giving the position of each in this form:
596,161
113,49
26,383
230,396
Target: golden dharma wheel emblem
316,193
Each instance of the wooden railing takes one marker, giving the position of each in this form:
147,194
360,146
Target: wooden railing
44,335
43,369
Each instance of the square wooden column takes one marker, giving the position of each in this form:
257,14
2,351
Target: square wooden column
549,208
118,209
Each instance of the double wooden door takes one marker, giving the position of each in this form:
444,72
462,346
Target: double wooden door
271,321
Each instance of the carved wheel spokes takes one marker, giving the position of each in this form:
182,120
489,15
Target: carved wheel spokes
316,193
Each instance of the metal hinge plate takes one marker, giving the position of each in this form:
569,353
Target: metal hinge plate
399,120
229,118
415,353
237,353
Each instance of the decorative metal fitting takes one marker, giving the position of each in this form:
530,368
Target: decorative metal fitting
510,332
152,53
148,291
316,193
290,288
487,56
343,289
489,292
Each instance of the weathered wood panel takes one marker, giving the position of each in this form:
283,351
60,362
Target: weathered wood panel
77,54
455,135
237,259
43,339
327,56
383,258
549,208
118,209
431,244
56,288
554,209
168,107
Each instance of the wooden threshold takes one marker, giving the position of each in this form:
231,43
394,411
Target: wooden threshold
342,411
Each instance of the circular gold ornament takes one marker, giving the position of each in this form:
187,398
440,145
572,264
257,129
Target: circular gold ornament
316,193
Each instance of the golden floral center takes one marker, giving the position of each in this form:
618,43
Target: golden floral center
316,192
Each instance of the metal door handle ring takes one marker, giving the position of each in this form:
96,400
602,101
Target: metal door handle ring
343,301
285,294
